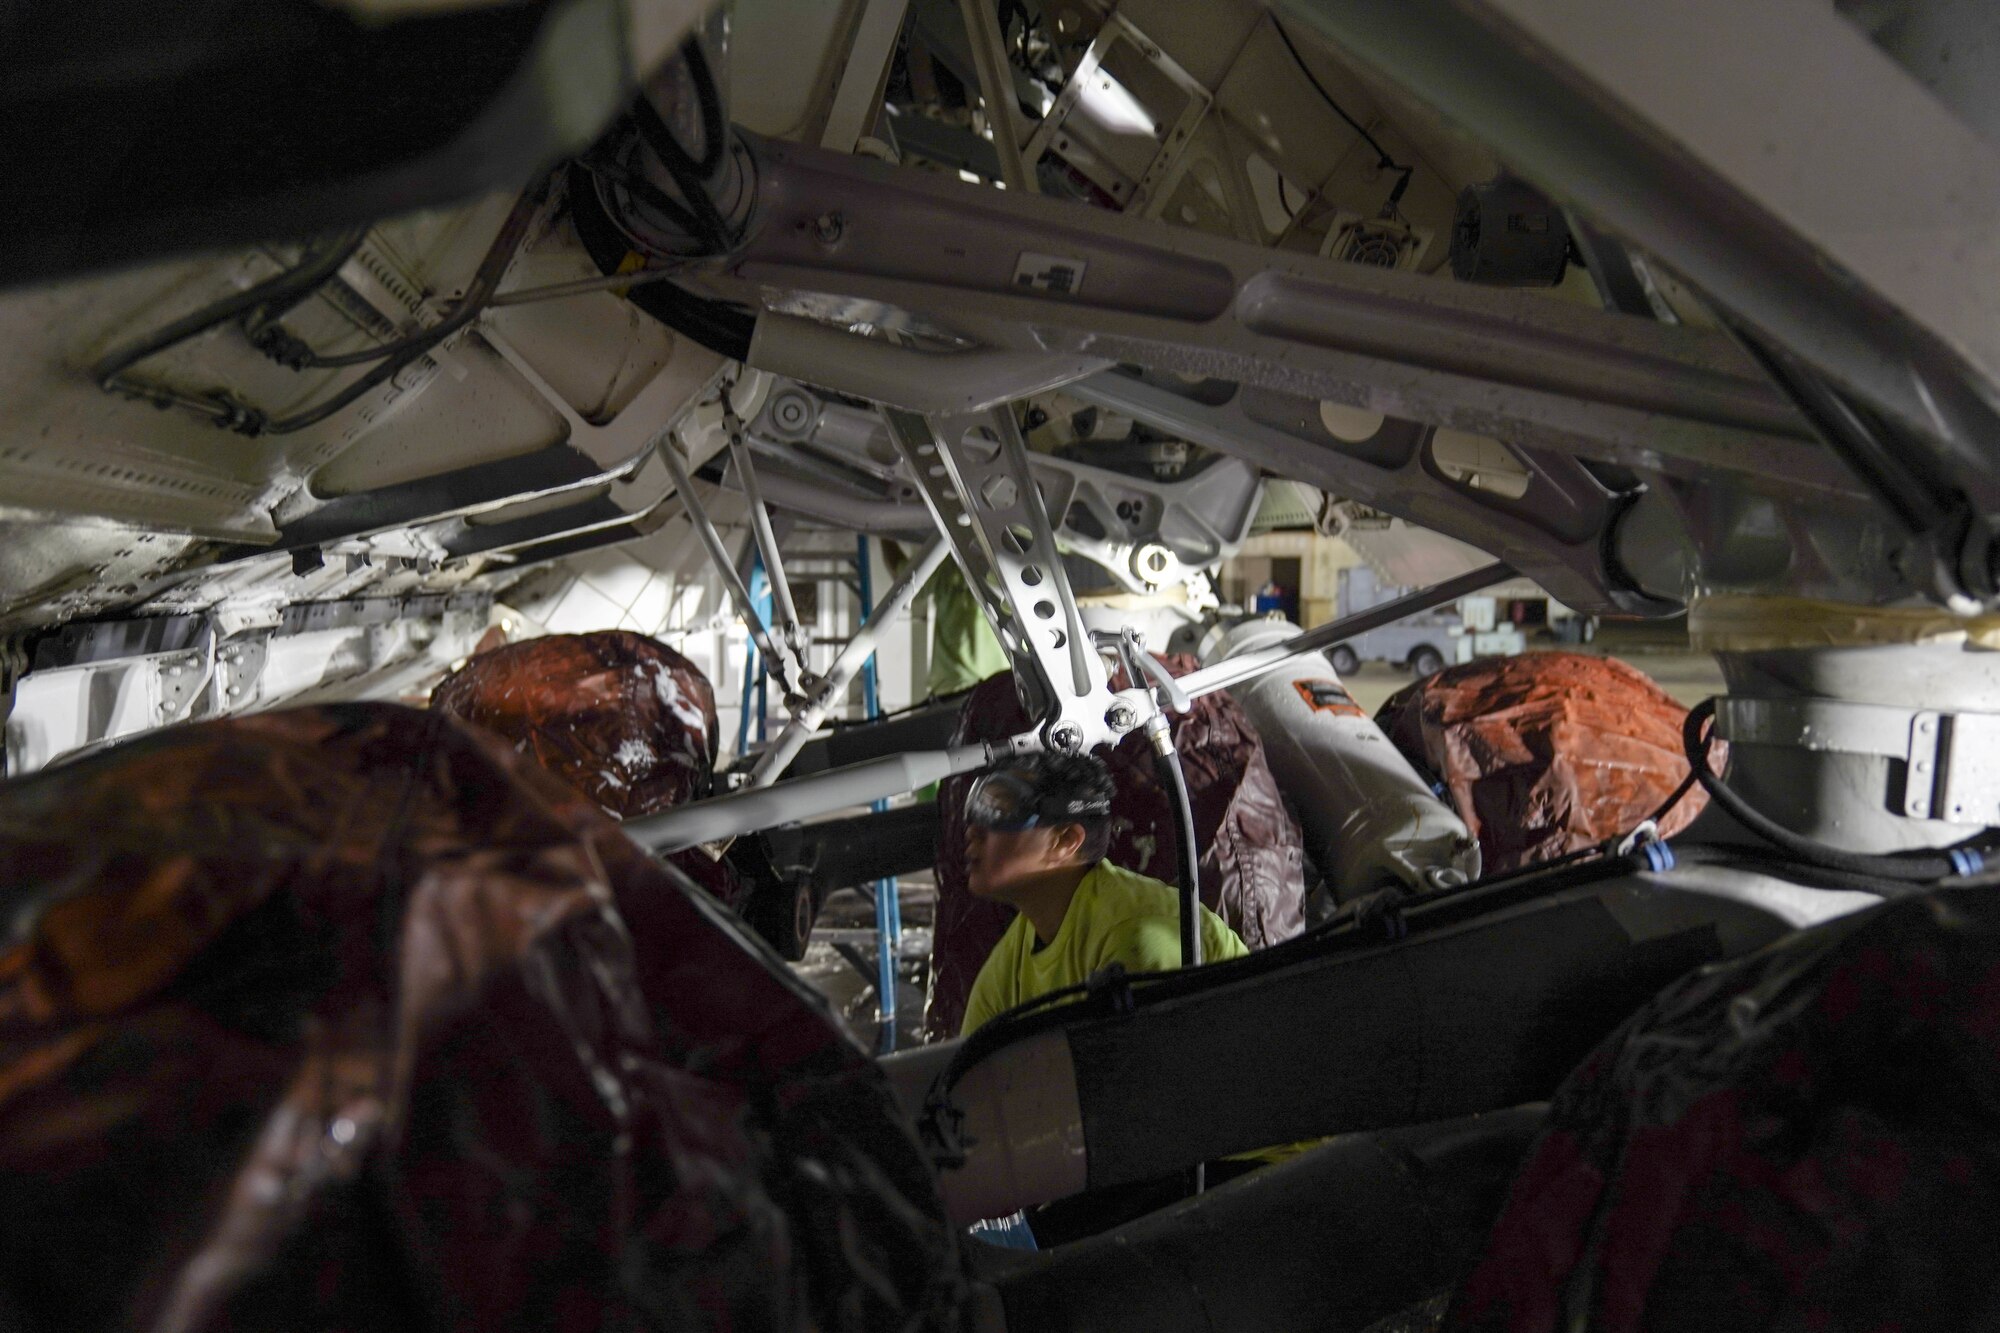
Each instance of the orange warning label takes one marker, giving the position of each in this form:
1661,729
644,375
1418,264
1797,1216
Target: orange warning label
1326,696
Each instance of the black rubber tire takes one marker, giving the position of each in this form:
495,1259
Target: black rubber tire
783,916
1425,661
1345,663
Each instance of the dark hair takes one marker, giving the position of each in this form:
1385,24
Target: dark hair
1081,786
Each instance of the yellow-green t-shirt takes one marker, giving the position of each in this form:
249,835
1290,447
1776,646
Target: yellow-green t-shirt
1117,916
963,649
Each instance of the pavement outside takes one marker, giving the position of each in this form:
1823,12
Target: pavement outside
1658,649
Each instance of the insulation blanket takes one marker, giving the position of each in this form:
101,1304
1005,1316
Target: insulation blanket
1252,865
622,718
349,1017
1546,753
1806,1138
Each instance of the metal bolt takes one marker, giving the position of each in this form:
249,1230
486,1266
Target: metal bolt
791,412
1067,737
1122,717
1923,765
828,228
1926,725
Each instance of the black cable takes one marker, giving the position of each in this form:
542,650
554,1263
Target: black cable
647,193
1383,159
692,175
714,131
1168,762
1963,858
279,293
1776,865
485,282
932,701
1679,794
712,231
723,328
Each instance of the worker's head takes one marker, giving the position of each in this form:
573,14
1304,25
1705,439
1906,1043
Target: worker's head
1035,817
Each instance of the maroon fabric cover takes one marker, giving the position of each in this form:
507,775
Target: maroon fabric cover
1252,863
622,718
350,1018
1808,1138
1546,753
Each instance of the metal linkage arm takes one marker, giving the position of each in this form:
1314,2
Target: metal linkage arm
989,58
974,475
833,686
742,812
784,610
724,566
1236,670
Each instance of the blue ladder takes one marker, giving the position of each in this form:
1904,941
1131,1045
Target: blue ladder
888,904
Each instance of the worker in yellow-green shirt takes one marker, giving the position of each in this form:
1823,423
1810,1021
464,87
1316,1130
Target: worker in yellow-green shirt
1036,835
963,649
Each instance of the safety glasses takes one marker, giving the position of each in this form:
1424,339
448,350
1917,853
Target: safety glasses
1003,802
1008,802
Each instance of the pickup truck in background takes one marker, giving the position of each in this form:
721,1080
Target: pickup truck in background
1426,642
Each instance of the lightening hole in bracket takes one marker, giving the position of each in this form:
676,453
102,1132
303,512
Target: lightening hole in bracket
999,493
1045,610
980,445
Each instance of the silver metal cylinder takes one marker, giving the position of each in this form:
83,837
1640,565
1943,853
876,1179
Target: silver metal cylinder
1830,787
755,808
1369,820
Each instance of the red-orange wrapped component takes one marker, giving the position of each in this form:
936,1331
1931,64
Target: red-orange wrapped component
1546,752
349,1018
622,718
1252,861
1802,1138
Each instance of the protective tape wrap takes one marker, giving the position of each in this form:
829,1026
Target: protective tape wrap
1742,624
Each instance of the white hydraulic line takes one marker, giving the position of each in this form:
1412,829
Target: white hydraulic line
743,812
833,687
724,566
